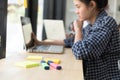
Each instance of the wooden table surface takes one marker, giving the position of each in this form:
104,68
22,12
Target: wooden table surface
71,68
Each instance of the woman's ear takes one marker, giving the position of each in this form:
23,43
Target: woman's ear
92,4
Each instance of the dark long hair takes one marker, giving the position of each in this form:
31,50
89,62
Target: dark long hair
101,4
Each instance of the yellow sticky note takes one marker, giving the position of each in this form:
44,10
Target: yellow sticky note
27,64
57,61
34,57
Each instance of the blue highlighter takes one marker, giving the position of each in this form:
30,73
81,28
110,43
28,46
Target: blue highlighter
45,65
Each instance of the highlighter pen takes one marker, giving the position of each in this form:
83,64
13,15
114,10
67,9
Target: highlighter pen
56,66
57,61
45,65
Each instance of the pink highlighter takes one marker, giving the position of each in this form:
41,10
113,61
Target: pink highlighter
56,66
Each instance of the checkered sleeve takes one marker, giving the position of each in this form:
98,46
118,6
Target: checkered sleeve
69,42
96,41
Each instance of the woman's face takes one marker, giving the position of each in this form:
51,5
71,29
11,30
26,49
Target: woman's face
84,12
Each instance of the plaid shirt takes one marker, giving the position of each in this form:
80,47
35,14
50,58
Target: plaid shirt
100,49
69,42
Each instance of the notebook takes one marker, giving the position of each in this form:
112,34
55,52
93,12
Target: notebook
27,30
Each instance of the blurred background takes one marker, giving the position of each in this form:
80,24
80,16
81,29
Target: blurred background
57,9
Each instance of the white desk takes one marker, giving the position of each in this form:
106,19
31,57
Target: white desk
71,68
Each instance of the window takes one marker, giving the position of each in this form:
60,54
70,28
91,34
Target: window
14,31
40,19
15,43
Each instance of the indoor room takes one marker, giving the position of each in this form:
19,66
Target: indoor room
60,39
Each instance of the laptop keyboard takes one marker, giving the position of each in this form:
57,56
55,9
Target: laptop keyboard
49,48
55,48
45,47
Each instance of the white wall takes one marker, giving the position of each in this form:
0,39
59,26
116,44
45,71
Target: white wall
114,6
70,13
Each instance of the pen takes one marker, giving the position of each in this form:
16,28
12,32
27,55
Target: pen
56,66
45,65
57,61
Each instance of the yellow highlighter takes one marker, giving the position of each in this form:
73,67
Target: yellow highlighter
34,58
57,61
27,64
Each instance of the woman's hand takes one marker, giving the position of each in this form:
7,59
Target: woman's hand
69,35
78,25
30,44
35,40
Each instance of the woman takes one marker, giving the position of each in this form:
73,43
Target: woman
98,43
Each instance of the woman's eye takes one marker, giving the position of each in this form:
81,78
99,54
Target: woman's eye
78,7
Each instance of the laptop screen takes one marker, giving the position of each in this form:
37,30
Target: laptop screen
54,29
26,28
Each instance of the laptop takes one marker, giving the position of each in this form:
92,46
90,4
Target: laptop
27,30
54,29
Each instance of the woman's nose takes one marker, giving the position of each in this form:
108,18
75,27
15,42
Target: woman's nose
76,11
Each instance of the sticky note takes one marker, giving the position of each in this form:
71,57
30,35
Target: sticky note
57,61
34,58
27,64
